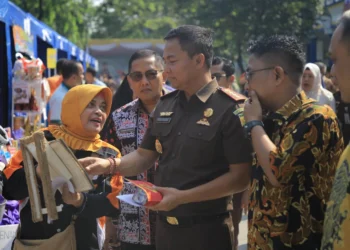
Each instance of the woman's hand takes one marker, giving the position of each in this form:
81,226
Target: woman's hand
74,199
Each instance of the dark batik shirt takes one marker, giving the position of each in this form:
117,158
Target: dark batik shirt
136,225
308,146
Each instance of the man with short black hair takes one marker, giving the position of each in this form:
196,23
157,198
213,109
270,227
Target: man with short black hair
224,72
197,135
90,77
72,74
337,220
127,127
297,146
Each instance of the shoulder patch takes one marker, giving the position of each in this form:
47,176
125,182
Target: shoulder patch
169,94
238,111
233,95
240,114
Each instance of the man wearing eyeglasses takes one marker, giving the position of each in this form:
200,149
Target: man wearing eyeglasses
146,77
197,135
224,71
297,146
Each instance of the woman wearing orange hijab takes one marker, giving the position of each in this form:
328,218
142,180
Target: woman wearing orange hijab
84,112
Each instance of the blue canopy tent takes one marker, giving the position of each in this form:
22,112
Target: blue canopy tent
44,37
63,47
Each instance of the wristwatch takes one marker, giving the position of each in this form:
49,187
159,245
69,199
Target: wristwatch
249,126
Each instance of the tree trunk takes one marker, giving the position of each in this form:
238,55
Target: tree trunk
40,16
239,55
24,4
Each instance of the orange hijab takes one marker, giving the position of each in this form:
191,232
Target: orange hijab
73,105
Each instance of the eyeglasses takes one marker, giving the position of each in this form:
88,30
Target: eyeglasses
217,76
249,74
150,75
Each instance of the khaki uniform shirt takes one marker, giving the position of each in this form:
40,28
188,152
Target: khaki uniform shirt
197,140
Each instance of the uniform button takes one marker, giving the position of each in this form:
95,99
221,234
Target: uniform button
179,133
58,230
173,155
200,134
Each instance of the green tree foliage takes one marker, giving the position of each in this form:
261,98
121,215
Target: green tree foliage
135,19
70,18
235,22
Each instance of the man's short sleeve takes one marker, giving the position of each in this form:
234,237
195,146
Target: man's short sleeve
149,139
237,148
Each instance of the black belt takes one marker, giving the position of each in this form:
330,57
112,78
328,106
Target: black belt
192,220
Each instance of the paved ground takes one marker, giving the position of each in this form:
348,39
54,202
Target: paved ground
243,232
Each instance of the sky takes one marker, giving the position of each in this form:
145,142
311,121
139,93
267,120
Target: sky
96,2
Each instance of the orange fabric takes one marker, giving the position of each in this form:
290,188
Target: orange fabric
75,142
116,185
102,221
54,82
14,164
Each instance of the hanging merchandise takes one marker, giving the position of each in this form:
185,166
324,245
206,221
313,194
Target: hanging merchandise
22,41
18,124
29,96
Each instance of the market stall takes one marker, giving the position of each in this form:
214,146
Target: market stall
26,47
37,40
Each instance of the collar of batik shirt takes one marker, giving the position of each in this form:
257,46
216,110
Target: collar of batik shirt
292,106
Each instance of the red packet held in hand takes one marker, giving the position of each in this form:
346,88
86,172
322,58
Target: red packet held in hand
145,195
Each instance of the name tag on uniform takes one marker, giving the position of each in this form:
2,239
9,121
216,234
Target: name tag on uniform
163,120
166,113
126,130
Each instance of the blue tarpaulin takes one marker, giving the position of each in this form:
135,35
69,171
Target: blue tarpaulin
13,15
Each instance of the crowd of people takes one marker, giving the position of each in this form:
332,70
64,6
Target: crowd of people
275,149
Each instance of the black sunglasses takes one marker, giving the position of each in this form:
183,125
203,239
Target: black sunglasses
150,75
217,76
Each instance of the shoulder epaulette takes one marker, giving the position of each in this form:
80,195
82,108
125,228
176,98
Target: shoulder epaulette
232,94
169,94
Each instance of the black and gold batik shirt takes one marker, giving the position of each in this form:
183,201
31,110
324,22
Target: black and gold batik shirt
308,146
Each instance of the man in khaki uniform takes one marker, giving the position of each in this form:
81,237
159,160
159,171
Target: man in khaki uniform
197,135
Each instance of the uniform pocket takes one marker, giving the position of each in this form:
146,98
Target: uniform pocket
202,133
201,144
162,130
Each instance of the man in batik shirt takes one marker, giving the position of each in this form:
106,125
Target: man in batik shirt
337,222
136,225
297,146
